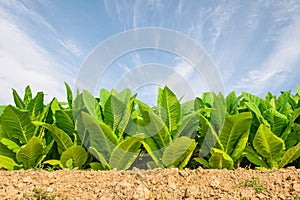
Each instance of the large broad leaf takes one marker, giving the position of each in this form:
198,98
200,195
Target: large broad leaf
211,138
254,157
235,133
278,122
232,103
64,121
125,153
18,100
220,159
92,105
178,153
102,138
170,110
62,138
286,134
254,108
27,95
1,111
294,137
268,145
157,134
31,153
36,106
189,125
203,162
283,105
69,95
187,107
113,111
156,155
218,113
290,155
8,163
104,95
77,154
99,157
125,117
252,98
11,145
17,124
5,151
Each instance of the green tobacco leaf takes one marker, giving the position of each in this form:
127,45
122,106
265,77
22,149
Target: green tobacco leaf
203,162
77,154
252,98
126,116
254,157
113,111
36,106
298,89
18,100
31,153
53,163
17,124
65,122
211,137
218,113
170,109
285,135
1,111
156,155
124,155
11,145
92,105
98,166
99,157
104,95
208,99
157,133
290,155
5,151
235,134
189,125
62,138
69,95
187,107
232,103
8,163
27,95
254,108
283,105
102,138
278,122
268,145
220,159
178,153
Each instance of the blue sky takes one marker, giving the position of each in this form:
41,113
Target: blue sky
255,45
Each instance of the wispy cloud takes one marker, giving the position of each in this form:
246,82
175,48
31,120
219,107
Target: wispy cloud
71,46
24,62
280,64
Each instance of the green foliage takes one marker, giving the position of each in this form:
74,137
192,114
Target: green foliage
113,130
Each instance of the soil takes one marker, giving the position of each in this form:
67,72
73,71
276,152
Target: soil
152,184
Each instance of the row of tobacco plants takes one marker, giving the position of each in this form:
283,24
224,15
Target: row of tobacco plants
116,130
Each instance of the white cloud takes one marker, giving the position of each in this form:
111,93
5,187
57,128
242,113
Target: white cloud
280,63
71,46
25,12
23,62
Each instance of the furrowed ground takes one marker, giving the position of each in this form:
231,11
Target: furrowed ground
151,184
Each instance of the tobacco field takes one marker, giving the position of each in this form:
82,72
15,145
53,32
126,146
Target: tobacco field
117,131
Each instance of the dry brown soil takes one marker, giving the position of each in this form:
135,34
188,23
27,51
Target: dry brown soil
154,184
